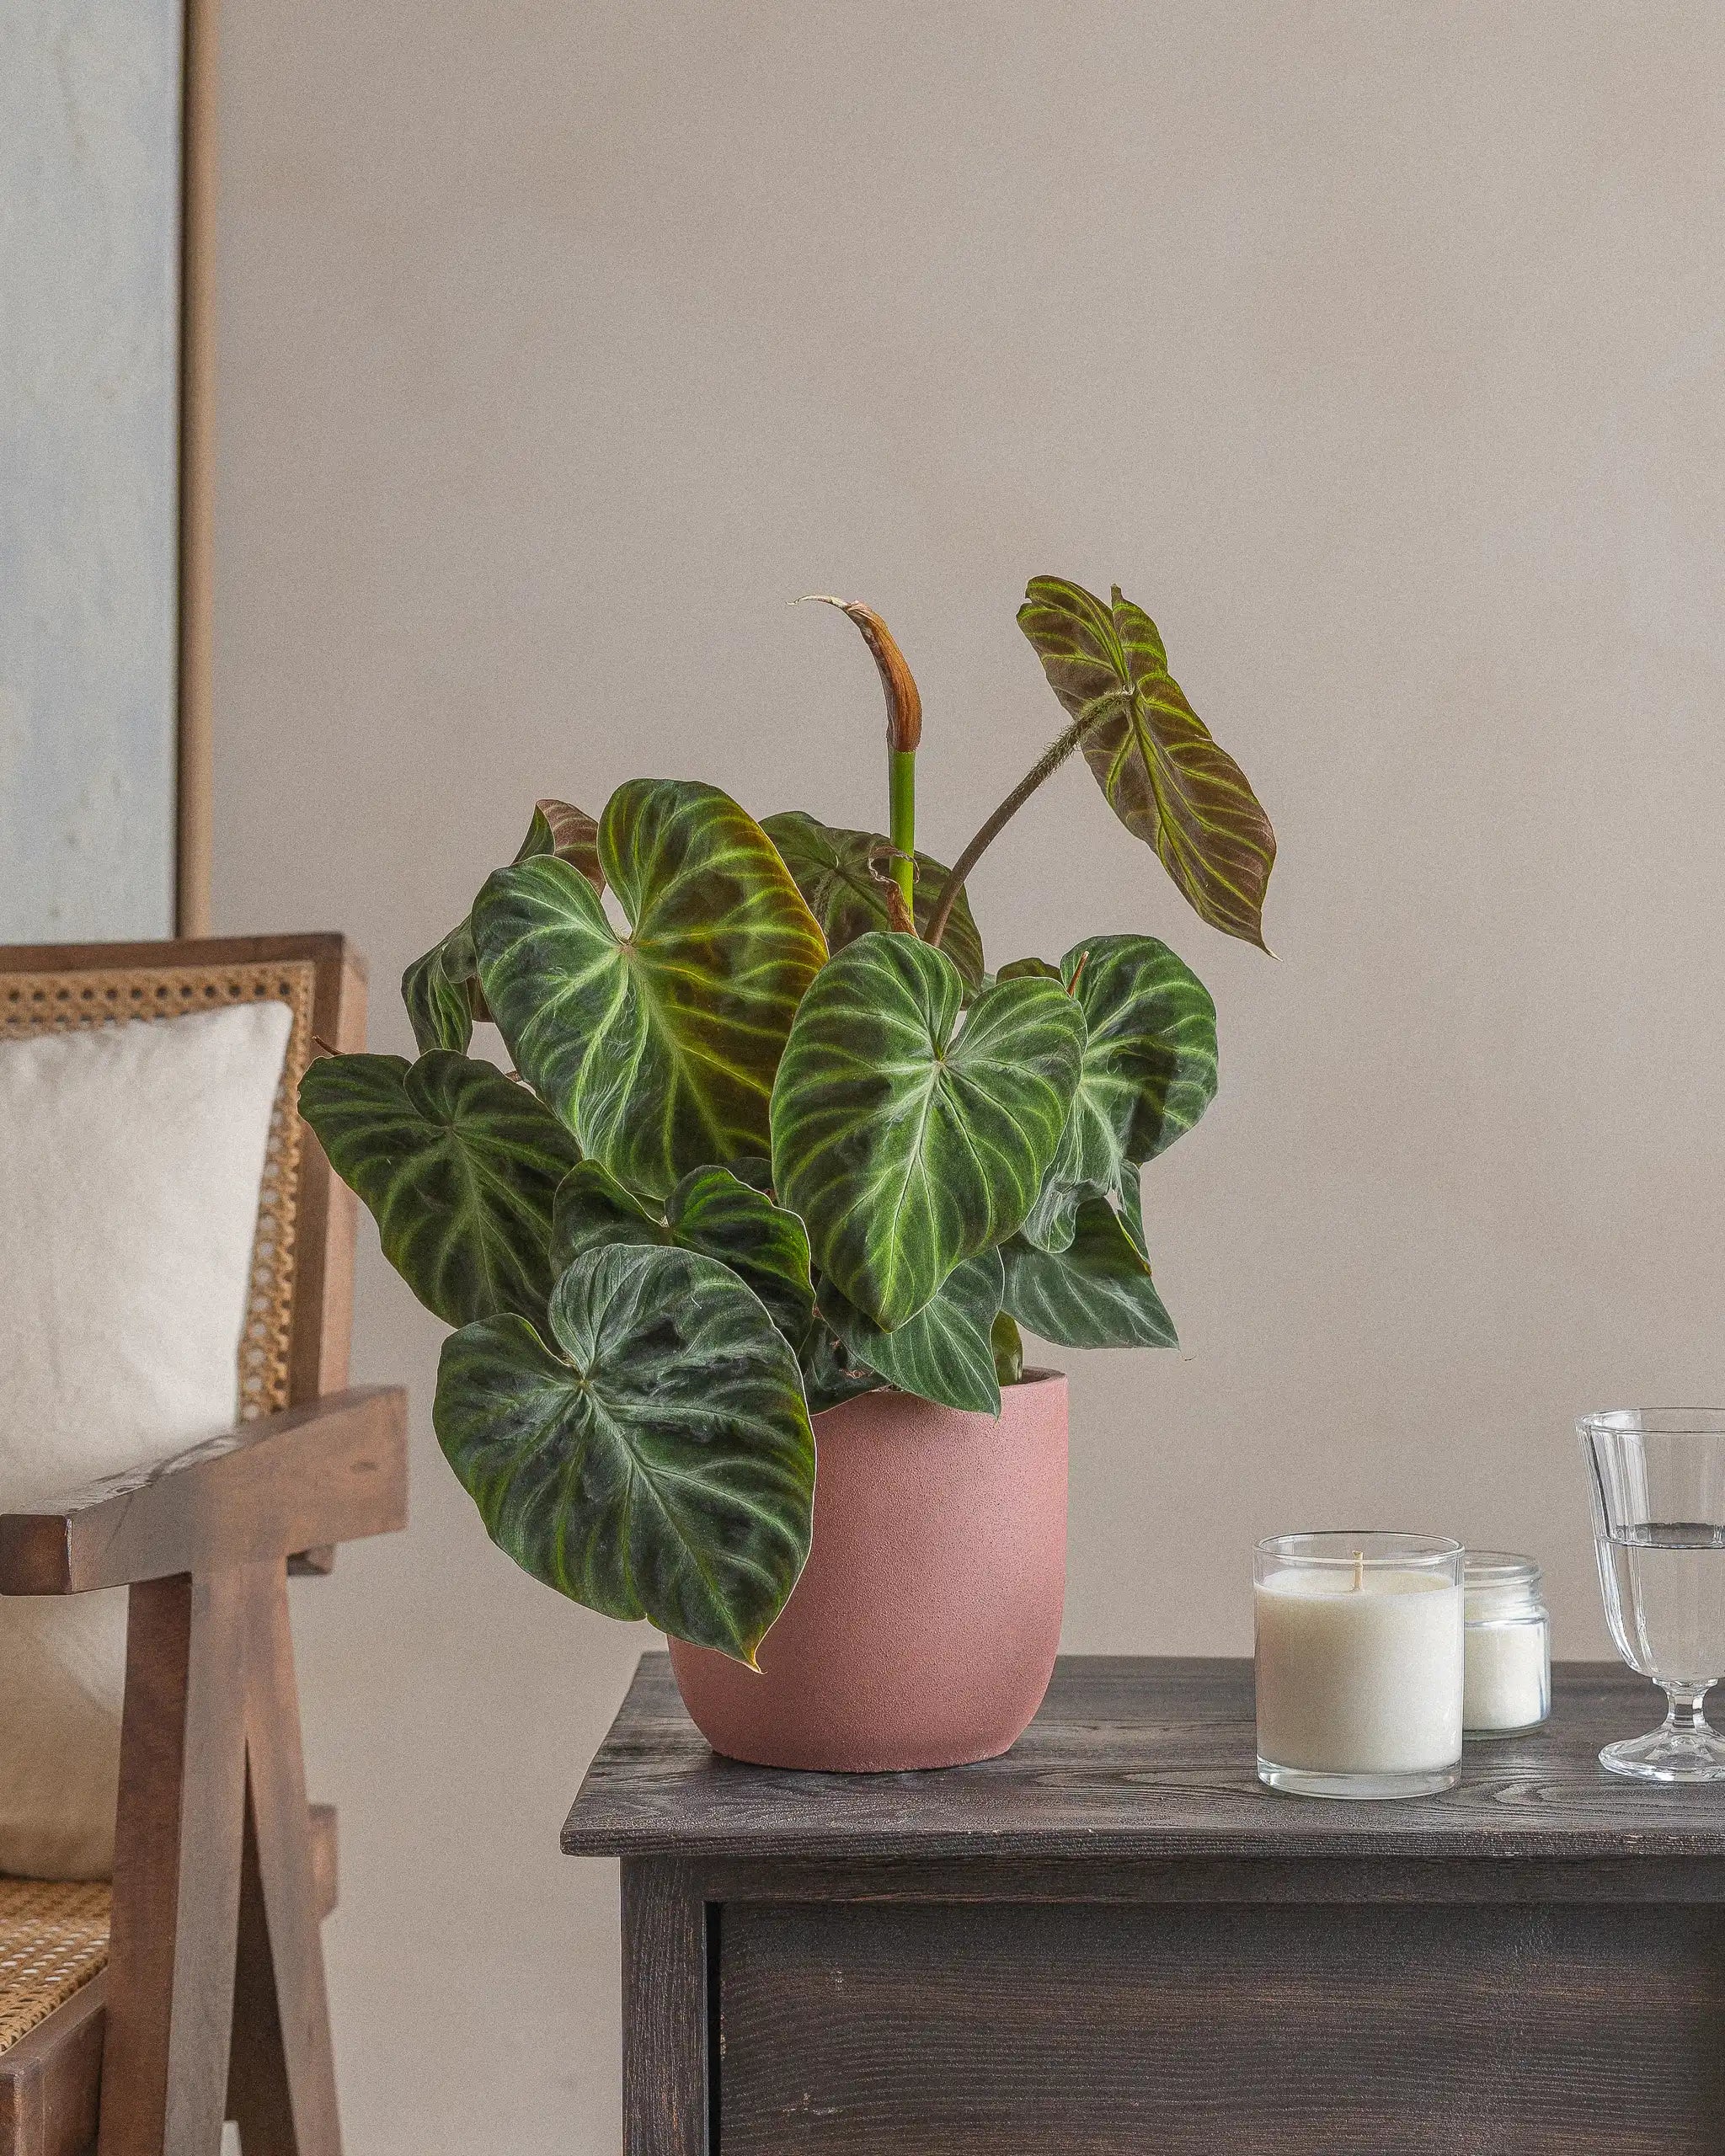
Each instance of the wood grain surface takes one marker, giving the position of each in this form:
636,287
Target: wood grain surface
1305,2031
1137,1760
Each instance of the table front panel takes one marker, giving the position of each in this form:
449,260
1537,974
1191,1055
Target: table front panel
1310,2030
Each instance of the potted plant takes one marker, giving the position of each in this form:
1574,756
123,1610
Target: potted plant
778,1170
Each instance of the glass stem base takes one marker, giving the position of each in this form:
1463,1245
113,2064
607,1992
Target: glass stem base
1684,1749
1303,1781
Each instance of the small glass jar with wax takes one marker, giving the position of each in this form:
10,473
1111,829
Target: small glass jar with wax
1506,1686
1359,1663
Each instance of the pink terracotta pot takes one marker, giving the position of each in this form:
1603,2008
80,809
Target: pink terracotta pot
923,1632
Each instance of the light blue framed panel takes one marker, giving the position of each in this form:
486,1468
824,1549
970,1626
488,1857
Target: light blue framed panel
90,196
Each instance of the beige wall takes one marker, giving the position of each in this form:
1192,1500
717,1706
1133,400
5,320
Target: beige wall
1379,351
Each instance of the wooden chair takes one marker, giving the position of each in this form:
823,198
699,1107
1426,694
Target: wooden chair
201,1995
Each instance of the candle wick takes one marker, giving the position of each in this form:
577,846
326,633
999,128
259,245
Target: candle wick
1358,1569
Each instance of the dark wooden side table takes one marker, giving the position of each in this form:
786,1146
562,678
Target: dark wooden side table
1114,1940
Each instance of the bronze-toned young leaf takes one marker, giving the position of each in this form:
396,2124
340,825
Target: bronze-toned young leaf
905,1143
558,828
442,990
836,870
712,1212
658,1047
459,1168
1029,969
946,1352
1096,1293
1149,1072
653,1458
1164,776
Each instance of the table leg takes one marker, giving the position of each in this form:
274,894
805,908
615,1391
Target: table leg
667,1949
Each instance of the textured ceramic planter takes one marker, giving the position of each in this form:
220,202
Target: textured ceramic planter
923,1632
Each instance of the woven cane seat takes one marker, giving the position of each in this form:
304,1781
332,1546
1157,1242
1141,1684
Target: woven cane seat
53,1939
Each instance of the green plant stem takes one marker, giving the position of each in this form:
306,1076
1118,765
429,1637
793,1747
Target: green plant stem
1045,767
901,783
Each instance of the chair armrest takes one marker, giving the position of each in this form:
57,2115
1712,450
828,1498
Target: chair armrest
331,1471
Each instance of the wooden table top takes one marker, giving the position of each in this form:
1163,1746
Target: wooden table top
1139,1758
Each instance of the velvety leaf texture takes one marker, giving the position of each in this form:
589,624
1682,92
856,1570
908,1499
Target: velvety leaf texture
1166,779
906,1143
437,990
946,1352
830,1374
1096,1293
834,872
657,1048
442,990
459,1168
655,1460
711,1211
571,834
1149,1071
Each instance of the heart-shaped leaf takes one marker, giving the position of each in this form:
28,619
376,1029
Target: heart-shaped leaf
657,1048
1096,1293
836,872
1164,776
442,990
711,1211
1149,1072
655,1460
459,1165
946,1352
906,1144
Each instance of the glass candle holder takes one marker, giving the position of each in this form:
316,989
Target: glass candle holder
1359,1662
1506,1656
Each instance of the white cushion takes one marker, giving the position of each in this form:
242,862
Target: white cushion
132,1161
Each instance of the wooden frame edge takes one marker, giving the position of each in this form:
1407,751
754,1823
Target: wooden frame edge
194,817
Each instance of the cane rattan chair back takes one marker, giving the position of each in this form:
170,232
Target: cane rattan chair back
295,1344
54,1935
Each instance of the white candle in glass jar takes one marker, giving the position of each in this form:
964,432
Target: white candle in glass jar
1359,1672
1506,1655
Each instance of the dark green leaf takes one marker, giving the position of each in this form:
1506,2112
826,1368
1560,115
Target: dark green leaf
656,1461
710,1211
835,873
592,1208
442,990
905,1144
459,1168
830,1376
658,1047
1029,969
766,1247
945,1352
1164,776
438,990
1149,1071
1095,1293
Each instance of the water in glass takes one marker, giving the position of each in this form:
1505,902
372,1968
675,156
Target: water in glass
1657,1481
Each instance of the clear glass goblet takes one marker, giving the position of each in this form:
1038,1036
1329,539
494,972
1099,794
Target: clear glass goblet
1657,1480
